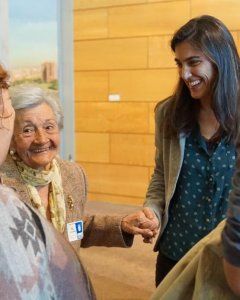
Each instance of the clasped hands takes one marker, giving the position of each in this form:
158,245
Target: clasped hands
142,222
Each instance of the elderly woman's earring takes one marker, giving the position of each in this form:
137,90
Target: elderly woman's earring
12,152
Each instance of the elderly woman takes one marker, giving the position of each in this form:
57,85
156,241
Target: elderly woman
35,262
57,188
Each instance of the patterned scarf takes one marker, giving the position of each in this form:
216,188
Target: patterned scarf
34,178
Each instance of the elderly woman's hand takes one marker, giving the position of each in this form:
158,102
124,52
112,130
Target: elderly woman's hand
150,215
141,222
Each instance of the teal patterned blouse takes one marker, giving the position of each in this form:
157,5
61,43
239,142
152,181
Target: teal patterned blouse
201,196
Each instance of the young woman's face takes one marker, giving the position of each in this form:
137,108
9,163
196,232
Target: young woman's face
7,115
197,71
36,136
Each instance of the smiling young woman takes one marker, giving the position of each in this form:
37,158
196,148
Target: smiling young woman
195,130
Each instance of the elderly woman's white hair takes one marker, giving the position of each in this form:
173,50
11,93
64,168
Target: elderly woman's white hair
27,96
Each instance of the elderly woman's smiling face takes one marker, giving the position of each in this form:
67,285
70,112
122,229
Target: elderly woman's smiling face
36,136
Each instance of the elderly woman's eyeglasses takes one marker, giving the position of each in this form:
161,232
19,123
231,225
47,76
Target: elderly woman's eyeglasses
47,128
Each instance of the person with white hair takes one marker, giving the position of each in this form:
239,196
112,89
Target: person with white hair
55,187
35,260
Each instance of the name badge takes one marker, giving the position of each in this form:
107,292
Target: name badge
75,231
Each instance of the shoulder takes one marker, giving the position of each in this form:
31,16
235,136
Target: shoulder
44,254
162,115
7,194
73,175
70,167
10,175
8,167
163,106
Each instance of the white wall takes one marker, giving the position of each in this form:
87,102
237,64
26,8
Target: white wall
65,67
4,33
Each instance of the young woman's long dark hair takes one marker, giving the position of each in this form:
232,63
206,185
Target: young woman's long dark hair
210,36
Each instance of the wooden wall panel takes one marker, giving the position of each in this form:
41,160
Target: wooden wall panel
160,53
91,24
85,4
226,10
151,170
132,149
92,147
122,47
130,53
151,117
91,86
115,198
152,1
142,85
238,41
112,117
126,180
140,20
236,36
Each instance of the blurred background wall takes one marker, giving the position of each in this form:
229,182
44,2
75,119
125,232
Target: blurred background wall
123,67
4,34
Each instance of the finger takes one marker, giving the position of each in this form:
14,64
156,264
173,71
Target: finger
144,232
147,233
136,230
146,224
155,231
148,213
148,240
153,225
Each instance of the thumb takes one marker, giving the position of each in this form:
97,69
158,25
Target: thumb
148,213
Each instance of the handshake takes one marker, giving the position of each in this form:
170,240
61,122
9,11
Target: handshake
142,222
